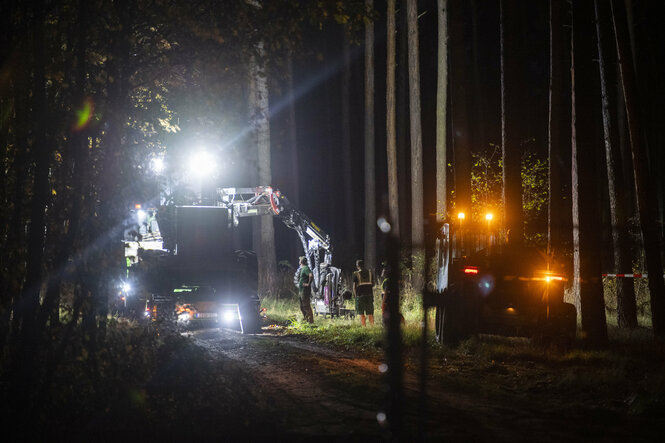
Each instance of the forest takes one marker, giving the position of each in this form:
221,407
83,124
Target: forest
545,113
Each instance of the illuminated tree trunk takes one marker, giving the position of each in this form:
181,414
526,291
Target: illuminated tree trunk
441,114
292,133
417,228
586,235
554,132
391,138
626,306
459,109
347,167
370,185
259,110
511,104
646,203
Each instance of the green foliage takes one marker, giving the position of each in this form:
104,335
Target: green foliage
487,187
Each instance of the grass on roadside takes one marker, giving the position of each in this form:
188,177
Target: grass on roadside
626,374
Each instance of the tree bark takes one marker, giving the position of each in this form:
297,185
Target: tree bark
292,133
417,228
402,129
391,137
259,110
586,235
370,186
441,114
626,305
459,108
511,104
350,225
554,133
645,201
40,187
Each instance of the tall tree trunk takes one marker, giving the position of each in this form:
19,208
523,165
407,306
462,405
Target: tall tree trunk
479,140
511,104
292,148
259,110
40,187
292,133
25,346
402,129
441,114
459,109
370,185
626,305
554,133
418,227
586,235
78,149
347,165
391,137
645,201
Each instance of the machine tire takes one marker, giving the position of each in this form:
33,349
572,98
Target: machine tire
453,322
251,321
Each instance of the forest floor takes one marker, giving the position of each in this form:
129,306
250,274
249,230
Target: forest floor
297,389
325,382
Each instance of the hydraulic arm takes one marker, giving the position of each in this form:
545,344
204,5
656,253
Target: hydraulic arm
265,200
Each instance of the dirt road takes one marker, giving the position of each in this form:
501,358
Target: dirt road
305,390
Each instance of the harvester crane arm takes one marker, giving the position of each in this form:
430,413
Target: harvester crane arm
265,200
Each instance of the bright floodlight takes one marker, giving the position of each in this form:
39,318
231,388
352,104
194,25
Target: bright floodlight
489,216
202,163
126,287
157,165
460,216
228,316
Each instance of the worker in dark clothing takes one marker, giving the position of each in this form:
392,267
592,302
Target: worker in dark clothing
385,294
305,278
363,284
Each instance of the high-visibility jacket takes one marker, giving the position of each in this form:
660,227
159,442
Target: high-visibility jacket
363,278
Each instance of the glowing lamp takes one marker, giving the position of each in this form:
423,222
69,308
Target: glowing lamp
202,163
157,165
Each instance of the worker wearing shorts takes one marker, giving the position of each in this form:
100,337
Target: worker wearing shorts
363,284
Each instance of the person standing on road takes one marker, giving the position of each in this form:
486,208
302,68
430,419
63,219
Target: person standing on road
363,284
305,278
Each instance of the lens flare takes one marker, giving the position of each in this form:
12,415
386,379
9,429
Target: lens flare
84,114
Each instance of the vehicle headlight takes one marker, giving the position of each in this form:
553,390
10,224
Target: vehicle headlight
228,316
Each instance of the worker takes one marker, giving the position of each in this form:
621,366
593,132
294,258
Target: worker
305,278
385,294
363,284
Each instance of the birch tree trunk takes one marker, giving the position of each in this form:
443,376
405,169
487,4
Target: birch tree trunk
370,185
418,230
260,115
391,136
626,304
441,115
